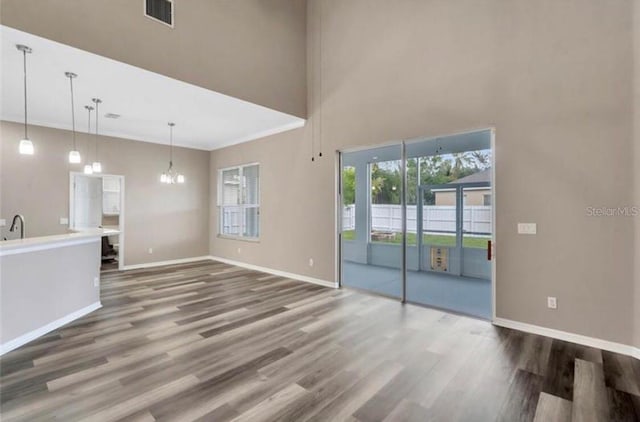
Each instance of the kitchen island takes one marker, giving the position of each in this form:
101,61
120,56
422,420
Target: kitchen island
47,282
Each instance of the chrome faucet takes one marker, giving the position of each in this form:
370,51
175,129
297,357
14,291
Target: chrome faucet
13,225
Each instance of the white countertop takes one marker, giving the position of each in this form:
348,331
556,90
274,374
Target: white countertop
8,247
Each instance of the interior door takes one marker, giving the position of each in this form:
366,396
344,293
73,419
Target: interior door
87,202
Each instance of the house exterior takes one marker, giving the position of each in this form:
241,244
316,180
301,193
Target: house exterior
472,196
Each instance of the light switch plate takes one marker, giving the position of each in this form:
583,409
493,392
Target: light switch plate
3,222
64,221
527,228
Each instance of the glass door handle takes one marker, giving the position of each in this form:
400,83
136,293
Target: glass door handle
489,251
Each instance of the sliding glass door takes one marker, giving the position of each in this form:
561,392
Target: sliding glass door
417,221
372,220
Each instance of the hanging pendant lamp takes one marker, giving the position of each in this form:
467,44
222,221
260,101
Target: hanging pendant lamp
74,155
88,169
26,146
171,176
96,166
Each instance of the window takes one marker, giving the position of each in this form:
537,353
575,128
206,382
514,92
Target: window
239,202
159,10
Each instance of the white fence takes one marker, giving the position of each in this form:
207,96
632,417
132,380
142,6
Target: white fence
435,218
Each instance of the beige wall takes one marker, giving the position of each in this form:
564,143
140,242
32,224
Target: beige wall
249,49
553,77
291,206
445,198
173,220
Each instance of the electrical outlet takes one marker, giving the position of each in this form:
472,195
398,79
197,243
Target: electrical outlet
239,251
527,228
96,281
3,222
311,262
552,302
150,250
64,221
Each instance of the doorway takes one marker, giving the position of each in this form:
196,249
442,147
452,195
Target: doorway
97,201
417,221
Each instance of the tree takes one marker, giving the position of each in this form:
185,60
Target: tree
348,185
482,159
386,178
385,183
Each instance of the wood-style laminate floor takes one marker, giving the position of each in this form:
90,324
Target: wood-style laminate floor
212,342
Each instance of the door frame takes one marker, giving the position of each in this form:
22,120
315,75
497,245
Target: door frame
121,216
339,205
459,190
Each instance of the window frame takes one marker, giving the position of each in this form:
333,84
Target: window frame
242,206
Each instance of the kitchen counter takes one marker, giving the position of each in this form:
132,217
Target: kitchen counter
10,247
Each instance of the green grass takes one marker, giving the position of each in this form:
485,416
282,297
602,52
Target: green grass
427,239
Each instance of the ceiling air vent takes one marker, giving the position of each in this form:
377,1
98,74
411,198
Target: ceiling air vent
112,116
159,10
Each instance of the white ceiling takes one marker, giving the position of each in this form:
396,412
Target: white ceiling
145,100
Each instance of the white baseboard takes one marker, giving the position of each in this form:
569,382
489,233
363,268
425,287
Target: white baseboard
267,270
610,346
169,262
32,335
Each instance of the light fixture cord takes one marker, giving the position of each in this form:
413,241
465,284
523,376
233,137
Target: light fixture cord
73,115
97,115
89,120
24,53
89,108
170,146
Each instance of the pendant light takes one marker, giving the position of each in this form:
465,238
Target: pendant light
88,168
74,155
97,166
171,176
26,146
